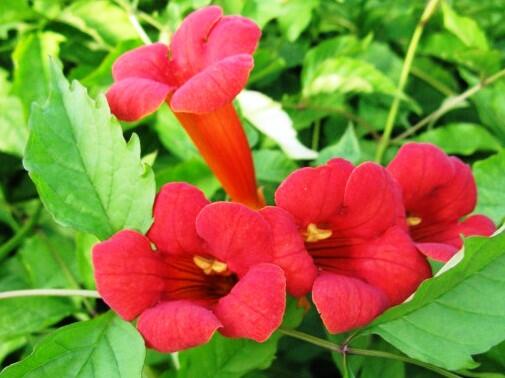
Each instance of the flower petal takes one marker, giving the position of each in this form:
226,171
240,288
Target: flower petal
129,275
289,251
345,302
177,325
255,306
232,35
214,87
147,62
312,195
134,98
477,225
372,203
236,235
188,44
437,251
175,210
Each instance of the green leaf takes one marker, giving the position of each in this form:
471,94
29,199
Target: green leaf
466,29
295,17
104,21
455,315
223,357
86,174
381,367
272,165
83,245
347,147
12,12
344,74
461,138
489,175
172,135
102,347
13,126
32,67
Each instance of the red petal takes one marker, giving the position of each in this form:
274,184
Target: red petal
346,303
419,168
437,251
289,251
134,98
188,44
235,235
232,35
214,87
175,210
477,225
255,306
312,195
146,62
372,203
173,326
129,275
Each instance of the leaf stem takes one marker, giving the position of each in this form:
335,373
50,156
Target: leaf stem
18,237
49,293
345,349
449,104
315,135
407,63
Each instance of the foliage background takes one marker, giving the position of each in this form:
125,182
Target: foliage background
329,69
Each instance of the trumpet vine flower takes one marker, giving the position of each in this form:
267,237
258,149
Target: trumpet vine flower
349,219
206,65
201,267
439,193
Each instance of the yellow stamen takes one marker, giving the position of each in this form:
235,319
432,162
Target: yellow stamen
414,221
210,266
314,234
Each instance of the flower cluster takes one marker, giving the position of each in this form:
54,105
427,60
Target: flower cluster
357,238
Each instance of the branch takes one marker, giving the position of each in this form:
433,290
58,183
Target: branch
49,293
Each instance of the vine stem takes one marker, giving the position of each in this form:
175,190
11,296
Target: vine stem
407,64
18,237
449,104
49,293
346,350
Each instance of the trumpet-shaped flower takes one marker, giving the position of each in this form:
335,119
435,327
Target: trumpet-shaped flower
439,193
198,75
202,267
348,217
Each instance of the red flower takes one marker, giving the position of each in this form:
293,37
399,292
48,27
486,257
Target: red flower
210,270
205,67
439,191
348,217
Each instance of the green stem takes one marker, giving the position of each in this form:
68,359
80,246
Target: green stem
449,104
315,135
18,237
407,63
49,293
345,349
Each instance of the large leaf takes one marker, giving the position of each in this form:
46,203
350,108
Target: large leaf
466,29
103,347
12,126
461,138
490,105
272,165
32,67
490,178
456,314
86,174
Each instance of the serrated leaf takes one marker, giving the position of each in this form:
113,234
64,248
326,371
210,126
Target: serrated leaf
461,138
489,175
456,314
87,176
102,347
32,68
269,118
347,147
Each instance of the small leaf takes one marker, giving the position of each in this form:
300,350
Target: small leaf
87,176
272,165
13,126
490,183
269,118
456,314
461,138
347,147
295,17
102,347
466,29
